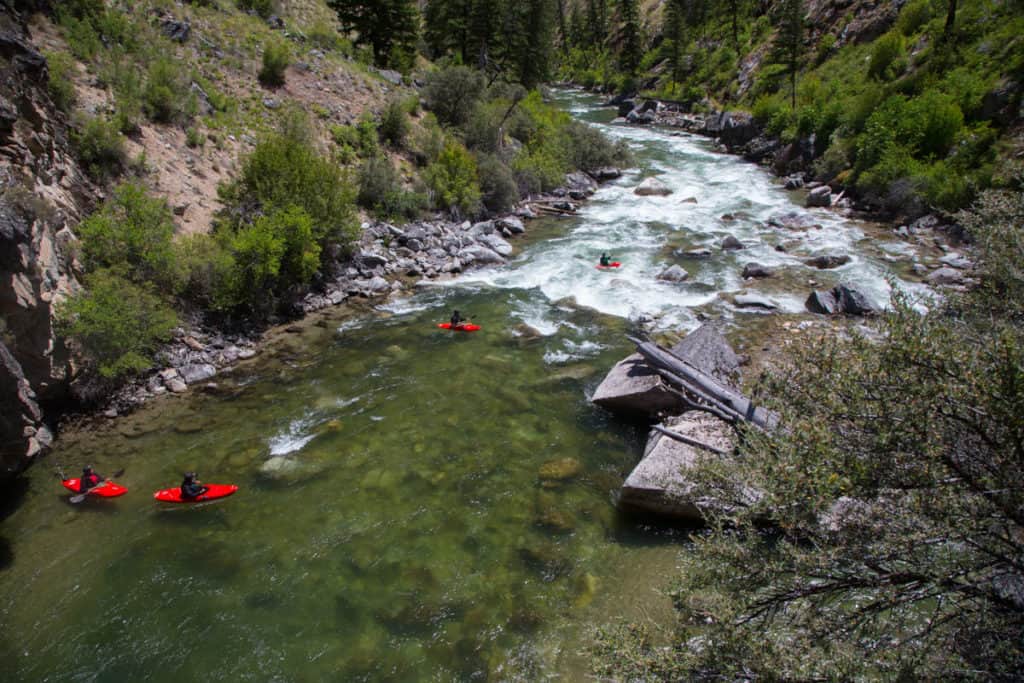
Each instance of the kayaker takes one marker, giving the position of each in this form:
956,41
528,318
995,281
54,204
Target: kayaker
605,259
191,488
89,480
457,319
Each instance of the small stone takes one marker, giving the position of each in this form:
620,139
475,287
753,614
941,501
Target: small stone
177,386
756,270
730,243
674,273
652,187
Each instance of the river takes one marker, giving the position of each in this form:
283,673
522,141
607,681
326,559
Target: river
391,522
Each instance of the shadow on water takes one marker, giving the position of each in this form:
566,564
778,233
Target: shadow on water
12,493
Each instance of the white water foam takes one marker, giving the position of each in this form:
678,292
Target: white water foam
295,438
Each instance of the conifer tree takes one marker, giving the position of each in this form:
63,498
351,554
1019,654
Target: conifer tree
389,27
789,41
673,36
597,20
630,40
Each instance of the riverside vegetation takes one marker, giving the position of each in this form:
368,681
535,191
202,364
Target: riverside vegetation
894,491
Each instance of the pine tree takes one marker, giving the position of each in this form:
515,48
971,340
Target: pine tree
597,20
389,27
630,39
673,32
789,41
448,26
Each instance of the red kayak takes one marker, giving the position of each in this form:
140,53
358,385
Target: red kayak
613,264
214,492
107,489
468,327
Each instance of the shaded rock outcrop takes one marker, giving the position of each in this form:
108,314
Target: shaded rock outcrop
632,388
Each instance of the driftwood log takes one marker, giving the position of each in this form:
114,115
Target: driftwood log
711,395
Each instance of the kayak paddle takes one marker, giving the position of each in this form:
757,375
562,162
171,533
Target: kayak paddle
81,496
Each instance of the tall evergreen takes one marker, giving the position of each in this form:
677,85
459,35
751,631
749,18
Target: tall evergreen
597,20
789,41
389,27
673,36
630,39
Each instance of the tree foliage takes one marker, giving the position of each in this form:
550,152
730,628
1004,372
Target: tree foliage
894,489
389,27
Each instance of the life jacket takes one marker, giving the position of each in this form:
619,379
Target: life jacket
89,481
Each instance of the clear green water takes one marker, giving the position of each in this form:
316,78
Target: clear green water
407,533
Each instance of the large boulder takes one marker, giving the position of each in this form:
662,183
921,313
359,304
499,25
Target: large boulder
828,261
673,273
853,301
511,224
652,187
823,303
736,128
496,244
631,387
707,350
756,270
820,196
479,255
730,243
197,372
660,484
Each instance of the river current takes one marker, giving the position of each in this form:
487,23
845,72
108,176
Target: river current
397,518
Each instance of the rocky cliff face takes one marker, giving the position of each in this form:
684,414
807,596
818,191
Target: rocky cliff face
43,190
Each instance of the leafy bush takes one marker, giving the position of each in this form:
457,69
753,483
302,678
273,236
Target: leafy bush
327,37
60,85
285,169
482,132
194,137
452,93
394,123
162,96
100,147
884,55
453,180
767,106
264,8
498,188
118,323
537,171
377,179
914,16
132,234
428,140
276,57
588,149
208,267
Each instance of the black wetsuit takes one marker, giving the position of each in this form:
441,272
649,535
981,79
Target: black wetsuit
605,261
89,481
191,489
457,320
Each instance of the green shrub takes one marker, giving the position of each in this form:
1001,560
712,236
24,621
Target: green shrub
498,188
257,253
100,147
377,179
537,170
914,16
264,8
132,233
394,123
587,148
452,93
482,132
162,95
285,169
766,107
326,37
60,85
118,323
194,137
453,180
885,55
826,46
428,140
207,268
276,57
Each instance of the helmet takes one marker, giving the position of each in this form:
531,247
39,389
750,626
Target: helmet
87,469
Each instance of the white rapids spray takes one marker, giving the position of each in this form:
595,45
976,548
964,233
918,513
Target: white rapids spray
714,195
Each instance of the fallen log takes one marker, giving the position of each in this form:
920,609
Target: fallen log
704,386
687,440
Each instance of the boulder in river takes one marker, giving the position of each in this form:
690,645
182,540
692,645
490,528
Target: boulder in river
707,350
660,484
820,196
822,302
512,224
606,173
853,301
632,387
945,276
754,301
562,469
730,243
828,261
674,273
697,254
197,372
756,270
652,187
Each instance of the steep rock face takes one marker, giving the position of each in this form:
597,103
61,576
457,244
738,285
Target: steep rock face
42,189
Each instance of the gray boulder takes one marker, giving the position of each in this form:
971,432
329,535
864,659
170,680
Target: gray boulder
661,485
606,173
479,254
652,187
754,301
730,243
197,372
820,196
674,273
707,350
823,303
945,276
756,270
827,261
512,224
631,387
955,260
853,302
695,254
496,243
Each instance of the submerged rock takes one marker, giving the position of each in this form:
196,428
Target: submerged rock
730,243
754,301
562,469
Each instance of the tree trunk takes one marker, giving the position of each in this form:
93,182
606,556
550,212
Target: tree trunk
947,32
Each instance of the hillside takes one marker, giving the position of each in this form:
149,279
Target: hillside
909,108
